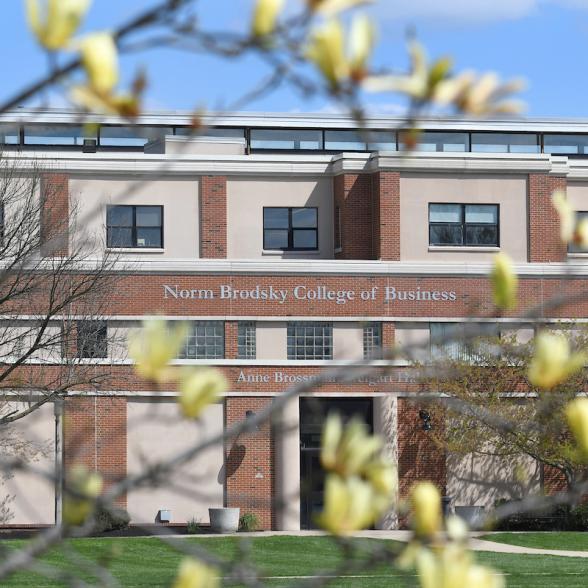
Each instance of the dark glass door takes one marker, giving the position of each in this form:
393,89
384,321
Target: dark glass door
313,412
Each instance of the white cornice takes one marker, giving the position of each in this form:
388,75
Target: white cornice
311,267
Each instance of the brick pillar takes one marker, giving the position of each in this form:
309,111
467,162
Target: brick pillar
419,458
213,217
553,480
54,215
353,200
388,334
386,215
231,339
95,435
544,230
249,463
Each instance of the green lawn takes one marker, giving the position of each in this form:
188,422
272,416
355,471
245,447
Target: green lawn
147,562
567,541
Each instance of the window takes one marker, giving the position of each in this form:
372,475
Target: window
344,141
310,340
572,247
92,339
9,135
56,135
286,139
134,226
449,142
220,132
505,143
205,340
290,229
565,144
458,342
473,225
246,343
372,340
131,137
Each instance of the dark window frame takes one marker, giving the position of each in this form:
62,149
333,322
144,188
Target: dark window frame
291,229
85,348
299,351
463,224
134,227
198,341
246,343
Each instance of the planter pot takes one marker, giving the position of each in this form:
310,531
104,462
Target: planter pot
224,520
472,515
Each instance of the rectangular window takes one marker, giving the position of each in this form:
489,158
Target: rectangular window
9,135
205,340
92,342
505,143
310,340
134,227
56,135
463,225
565,144
442,142
344,141
246,340
290,229
457,342
572,247
131,137
372,340
286,139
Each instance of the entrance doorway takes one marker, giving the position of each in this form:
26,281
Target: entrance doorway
313,412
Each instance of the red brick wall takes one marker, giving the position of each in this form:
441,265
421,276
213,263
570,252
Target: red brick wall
54,215
419,457
553,479
213,217
544,229
386,220
250,463
353,196
231,339
95,435
388,335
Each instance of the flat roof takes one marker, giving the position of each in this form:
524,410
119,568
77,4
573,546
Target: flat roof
298,120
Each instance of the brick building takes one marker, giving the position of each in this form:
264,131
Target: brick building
290,243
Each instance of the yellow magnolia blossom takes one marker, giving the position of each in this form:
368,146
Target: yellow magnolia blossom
195,574
553,361
425,502
327,51
577,416
361,44
82,488
125,105
347,450
567,215
154,347
504,282
199,388
100,60
334,6
265,17
54,22
580,238
349,505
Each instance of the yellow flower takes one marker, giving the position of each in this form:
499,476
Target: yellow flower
265,17
327,51
199,388
577,415
347,450
334,6
567,215
349,505
425,502
154,347
553,362
581,234
361,44
55,21
504,282
125,105
194,574
100,60
82,488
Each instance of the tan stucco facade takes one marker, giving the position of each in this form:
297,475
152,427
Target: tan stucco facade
418,190
246,198
154,433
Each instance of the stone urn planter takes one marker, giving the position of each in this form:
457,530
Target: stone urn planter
224,520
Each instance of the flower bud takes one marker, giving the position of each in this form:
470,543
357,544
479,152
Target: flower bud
425,501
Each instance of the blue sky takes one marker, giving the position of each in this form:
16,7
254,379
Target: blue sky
543,41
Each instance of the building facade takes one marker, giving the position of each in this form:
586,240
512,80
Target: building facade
289,245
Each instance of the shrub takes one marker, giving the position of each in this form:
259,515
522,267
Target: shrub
193,526
112,519
579,517
248,522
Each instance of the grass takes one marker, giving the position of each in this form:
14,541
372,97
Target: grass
139,562
568,541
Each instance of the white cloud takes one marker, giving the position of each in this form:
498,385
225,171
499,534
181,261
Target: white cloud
464,11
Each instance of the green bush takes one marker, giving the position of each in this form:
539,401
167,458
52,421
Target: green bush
193,527
113,519
248,522
579,517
